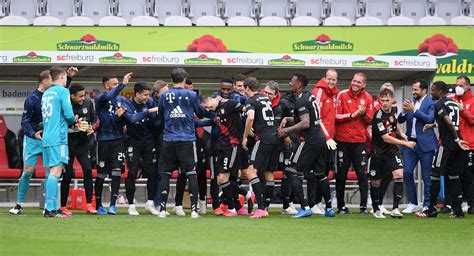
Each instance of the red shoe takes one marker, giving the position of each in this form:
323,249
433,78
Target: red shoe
91,209
230,213
242,200
224,207
259,214
218,211
242,211
65,211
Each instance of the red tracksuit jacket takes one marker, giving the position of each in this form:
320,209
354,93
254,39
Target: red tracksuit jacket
326,98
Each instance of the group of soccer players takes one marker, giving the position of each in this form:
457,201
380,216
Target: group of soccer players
254,132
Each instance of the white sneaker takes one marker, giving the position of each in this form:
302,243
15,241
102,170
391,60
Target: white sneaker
411,208
202,207
163,214
150,207
178,210
16,210
194,215
396,214
318,209
289,211
132,210
384,210
379,215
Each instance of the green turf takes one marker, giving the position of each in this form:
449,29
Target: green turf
31,234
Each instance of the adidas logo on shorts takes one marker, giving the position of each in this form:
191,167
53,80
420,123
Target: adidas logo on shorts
177,112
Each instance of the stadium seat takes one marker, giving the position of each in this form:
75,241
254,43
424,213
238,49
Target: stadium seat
79,21
337,21
432,21
238,8
112,21
210,21
1,22
345,9
131,9
15,21
400,21
177,21
379,9
308,8
167,8
462,21
60,9
305,21
241,21
447,9
145,21
25,8
46,21
275,8
203,8
369,21
3,146
414,9
95,9
273,21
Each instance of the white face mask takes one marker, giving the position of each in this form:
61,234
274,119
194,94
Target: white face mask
459,91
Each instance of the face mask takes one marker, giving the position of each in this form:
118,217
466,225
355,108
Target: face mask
459,91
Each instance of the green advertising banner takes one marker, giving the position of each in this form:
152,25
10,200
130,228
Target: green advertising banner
451,46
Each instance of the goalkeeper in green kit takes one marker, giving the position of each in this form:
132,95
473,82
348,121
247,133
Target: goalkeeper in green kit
78,138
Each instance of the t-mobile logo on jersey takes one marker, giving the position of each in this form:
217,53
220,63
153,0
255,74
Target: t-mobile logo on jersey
170,97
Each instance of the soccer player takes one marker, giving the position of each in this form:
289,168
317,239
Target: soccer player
450,159
140,147
354,114
466,126
326,92
239,84
32,124
231,155
264,156
111,153
57,114
177,109
78,144
386,161
308,156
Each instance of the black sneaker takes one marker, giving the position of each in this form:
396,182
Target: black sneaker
49,214
16,210
455,215
446,210
343,210
431,213
363,211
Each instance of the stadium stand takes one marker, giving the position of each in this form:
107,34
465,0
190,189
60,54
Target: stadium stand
177,21
295,12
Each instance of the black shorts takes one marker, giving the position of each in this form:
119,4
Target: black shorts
231,160
309,156
449,162
178,155
378,167
111,156
264,157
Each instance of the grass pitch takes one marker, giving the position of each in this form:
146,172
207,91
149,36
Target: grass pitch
31,234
